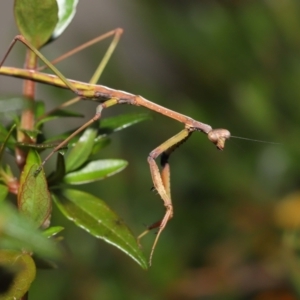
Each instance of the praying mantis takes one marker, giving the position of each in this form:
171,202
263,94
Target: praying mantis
109,97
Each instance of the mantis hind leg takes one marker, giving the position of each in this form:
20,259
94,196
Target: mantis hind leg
47,64
116,33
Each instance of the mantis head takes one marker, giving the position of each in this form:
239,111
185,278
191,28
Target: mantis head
218,137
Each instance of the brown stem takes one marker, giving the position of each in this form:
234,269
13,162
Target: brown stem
27,118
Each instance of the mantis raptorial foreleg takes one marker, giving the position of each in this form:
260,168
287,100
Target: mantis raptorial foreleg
161,180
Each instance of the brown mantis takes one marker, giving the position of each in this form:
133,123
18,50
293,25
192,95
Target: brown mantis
109,97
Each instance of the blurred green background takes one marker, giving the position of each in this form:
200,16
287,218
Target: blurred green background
230,64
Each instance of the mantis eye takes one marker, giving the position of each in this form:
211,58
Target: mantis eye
218,137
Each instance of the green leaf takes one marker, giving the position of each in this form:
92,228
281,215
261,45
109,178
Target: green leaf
60,171
6,141
3,138
32,158
21,267
39,109
32,134
66,12
96,170
113,124
79,154
99,143
3,132
36,20
52,231
3,192
58,114
17,232
62,137
108,126
34,200
93,215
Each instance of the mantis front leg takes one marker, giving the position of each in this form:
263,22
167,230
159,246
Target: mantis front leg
161,180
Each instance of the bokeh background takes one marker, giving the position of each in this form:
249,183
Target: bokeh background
231,64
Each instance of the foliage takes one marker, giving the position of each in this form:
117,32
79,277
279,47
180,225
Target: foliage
23,248
235,231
